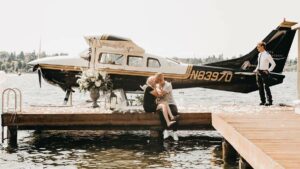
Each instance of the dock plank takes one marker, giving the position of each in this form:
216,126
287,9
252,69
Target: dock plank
266,140
77,119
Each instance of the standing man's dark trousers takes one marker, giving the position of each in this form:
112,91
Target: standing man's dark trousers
263,83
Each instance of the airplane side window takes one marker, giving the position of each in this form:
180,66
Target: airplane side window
111,58
151,62
135,61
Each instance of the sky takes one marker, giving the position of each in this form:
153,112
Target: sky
181,28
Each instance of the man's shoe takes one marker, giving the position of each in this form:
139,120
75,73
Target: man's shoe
171,123
166,134
175,136
175,118
262,104
268,104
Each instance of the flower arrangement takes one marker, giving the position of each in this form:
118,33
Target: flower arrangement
93,79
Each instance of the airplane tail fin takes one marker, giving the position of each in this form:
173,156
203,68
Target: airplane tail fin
278,44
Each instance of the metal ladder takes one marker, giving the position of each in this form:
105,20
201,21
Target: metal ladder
11,109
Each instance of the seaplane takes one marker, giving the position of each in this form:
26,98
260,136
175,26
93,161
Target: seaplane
128,65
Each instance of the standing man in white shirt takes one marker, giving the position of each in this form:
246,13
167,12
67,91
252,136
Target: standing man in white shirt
262,73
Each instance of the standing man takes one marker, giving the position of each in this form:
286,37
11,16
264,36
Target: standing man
167,95
262,73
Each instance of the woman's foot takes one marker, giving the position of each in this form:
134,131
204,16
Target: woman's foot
171,123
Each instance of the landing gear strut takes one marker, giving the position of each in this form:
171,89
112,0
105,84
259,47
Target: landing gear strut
68,94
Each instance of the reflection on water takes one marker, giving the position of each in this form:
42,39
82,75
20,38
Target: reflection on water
119,149
111,149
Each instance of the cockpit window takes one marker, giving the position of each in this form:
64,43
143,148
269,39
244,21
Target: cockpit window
111,58
135,61
151,62
171,62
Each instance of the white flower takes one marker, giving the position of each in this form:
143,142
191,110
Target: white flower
85,84
88,73
103,74
91,79
98,83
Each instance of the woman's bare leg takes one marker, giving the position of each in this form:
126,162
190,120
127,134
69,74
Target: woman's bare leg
168,110
165,113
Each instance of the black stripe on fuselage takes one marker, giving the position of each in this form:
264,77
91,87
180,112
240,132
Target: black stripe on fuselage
200,76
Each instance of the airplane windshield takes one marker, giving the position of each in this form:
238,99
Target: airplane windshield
85,54
171,62
111,58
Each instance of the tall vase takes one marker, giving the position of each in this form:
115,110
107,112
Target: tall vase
94,94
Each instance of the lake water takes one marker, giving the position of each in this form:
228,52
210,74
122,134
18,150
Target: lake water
125,149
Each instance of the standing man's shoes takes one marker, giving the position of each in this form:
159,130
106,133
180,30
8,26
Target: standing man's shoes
268,104
262,104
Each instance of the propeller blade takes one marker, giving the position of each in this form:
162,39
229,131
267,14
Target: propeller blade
40,78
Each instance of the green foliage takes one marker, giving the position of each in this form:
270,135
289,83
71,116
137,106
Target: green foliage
21,56
10,62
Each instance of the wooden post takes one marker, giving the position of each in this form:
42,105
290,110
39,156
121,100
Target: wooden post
298,66
228,152
243,164
38,131
12,135
156,135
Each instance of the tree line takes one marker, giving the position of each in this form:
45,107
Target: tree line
13,62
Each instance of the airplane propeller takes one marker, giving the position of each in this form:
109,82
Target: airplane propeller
37,67
40,78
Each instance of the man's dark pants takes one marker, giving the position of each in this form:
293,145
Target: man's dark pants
263,83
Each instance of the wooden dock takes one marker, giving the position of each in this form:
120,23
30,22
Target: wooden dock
268,138
265,140
72,118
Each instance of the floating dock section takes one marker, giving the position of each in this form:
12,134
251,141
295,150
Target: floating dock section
264,140
91,119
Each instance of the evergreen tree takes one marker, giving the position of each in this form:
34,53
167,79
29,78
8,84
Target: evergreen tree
19,64
12,57
3,67
21,56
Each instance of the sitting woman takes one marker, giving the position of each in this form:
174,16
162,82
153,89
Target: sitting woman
150,104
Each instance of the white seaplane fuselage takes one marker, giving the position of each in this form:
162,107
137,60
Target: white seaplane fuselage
129,66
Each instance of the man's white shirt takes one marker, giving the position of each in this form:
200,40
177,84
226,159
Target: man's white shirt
169,95
263,61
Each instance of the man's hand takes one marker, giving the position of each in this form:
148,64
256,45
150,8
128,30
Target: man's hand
266,72
159,91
